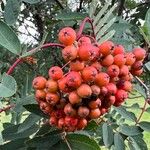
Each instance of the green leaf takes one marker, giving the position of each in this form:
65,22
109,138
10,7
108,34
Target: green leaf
104,19
70,16
15,144
10,133
92,8
119,142
147,21
140,89
145,125
31,1
24,101
107,135
147,65
82,142
34,108
130,130
100,14
11,11
106,37
8,86
138,143
8,39
46,128
28,122
125,114
46,141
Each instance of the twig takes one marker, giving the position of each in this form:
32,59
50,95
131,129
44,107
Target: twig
80,6
65,139
121,6
89,20
60,5
65,64
143,110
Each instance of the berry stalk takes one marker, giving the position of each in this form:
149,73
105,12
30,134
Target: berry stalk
89,20
6,108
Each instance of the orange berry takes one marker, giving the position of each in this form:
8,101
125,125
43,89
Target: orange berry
103,111
67,36
112,99
119,60
127,86
97,65
89,73
95,113
102,79
111,87
69,111
130,58
53,121
39,83
74,98
77,65
61,123
106,47
137,65
62,84
45,107
74,79
55,73
83,111
84,90
124,70
88,52
108,60
121,95
95,89
139,53
95,104
69,53
84,40
51,86
137,72
118,49
113,71
40,95
82,124
52,98
104,90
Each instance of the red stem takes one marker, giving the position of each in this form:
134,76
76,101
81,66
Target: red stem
65,64
20,60
143,110
6,108
89,20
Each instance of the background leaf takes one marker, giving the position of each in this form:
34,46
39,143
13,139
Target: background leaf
8,86
11,11
145,125
107,135
31,1
119,142
8,39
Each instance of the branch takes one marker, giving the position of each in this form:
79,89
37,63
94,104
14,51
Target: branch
65,139
20,60
89,20
59,4
80,6
121,6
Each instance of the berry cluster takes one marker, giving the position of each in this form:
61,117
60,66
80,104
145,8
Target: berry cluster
97,77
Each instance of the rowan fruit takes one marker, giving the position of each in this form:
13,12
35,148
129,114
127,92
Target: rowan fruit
84,91
130,58
102,79
74,98
108,60
77,65
95,90
95,113
119,60
53,121
84,40
52,98
118,49
67,36
89,73
69,53
40,95
139,53
82,123
39,83
106,47
83,111
111,87
94,104
113,71
55,73
51,86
